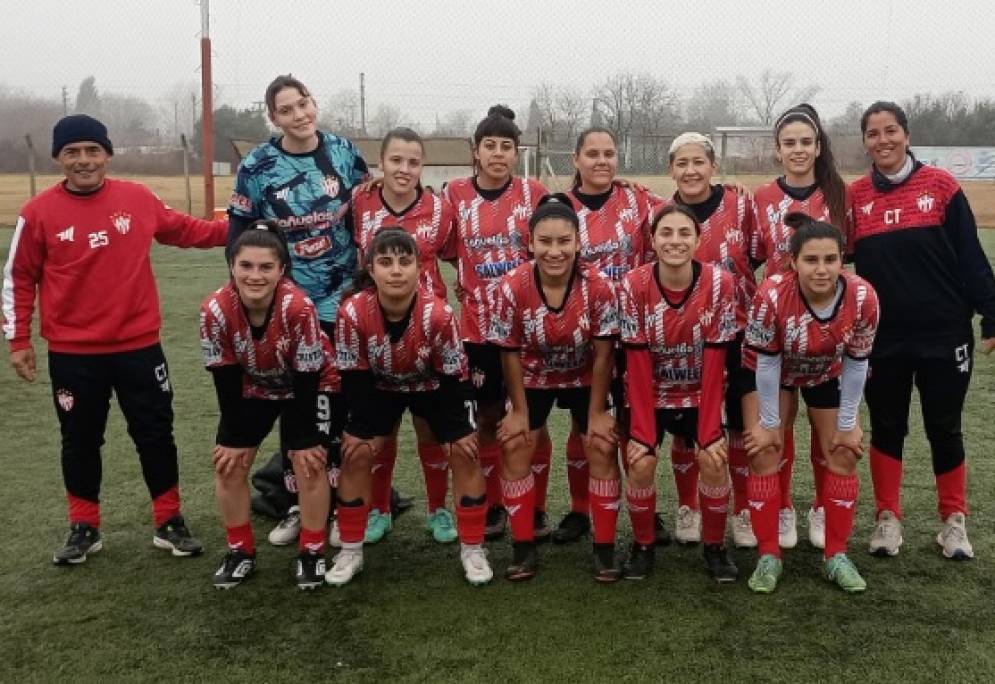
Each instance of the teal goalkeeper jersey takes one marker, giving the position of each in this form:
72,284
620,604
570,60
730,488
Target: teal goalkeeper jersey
308,196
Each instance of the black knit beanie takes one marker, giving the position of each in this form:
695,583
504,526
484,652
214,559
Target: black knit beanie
79,128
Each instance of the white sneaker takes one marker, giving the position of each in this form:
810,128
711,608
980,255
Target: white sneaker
817,527
953,538
787,528
475,566
334,535
288,529
742,530
347,564
687,529
887,535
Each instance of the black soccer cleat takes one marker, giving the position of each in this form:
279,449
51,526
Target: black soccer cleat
83,539
660,530
719,563
524,562
174,536
309,570
541,528
606,567
572,528
236,567
640,562
497,520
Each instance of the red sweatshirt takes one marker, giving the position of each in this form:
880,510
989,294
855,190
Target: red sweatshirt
88,257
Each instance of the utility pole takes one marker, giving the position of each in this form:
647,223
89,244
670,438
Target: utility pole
206,101
193,112
362,102
65,101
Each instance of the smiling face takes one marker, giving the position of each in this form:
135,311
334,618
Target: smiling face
395,274
401,163
674,240
797,149
692,170
597,162
256,272
554,243
497,158
296,115
818,265
84,165
886,142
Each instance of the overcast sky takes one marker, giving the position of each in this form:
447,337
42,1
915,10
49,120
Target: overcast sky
434,56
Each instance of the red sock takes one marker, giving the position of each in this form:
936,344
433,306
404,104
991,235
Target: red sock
786,467
841,507
352,522
739,468
682,457
604,509
435,469
765,504
578,474
166,505
490,464
470,523
240,538
520,502
383,476
83,511
541,458
886,476
714,512
642,509
818,469
312,541
951,488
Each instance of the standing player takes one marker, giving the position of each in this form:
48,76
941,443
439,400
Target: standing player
678,317
555,321
399,348
915,240
726,221
400,201
811,328
269,358
810,185
491,238
303,180
82,247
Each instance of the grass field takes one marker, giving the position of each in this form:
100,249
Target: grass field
135,613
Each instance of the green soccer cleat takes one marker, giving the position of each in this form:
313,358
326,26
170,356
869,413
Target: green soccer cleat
377,526
442,526
844,573
765,576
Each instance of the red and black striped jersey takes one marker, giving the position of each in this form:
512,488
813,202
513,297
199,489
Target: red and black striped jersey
491,239
429,347
555,342
429,219
676,332
616,237
811,348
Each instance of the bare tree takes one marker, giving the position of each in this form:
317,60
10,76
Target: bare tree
718,103
458,122
341,113
387,116
772,92
87,97
572,106
636,104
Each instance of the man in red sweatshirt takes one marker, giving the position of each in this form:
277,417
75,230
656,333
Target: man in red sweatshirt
83,247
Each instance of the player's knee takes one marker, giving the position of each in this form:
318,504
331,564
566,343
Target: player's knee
643,471
708,470
765,462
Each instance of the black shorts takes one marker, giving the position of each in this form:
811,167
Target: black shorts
681,423
740,381
486,375
825,395
616,391
540,402
426,405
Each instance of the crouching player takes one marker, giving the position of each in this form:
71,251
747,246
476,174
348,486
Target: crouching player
556,322
263,345
678,316
398,346
811,328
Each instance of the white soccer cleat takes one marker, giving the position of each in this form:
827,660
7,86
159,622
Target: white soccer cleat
347,564
334,535
817,527
953,538
887,535
742,530
787,528
687,529
288,529
475,566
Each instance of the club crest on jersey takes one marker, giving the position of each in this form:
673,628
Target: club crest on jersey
330,184
925,202
66,399
121,221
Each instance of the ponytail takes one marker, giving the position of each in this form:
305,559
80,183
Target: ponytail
827,177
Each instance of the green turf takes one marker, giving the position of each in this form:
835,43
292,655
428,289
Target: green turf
134,613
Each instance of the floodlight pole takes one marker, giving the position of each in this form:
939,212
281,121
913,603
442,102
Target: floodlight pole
207,108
